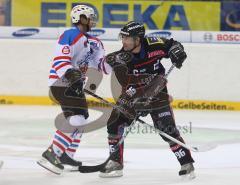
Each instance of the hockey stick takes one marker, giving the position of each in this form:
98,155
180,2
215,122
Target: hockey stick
96,168
191,148
202,148
90,169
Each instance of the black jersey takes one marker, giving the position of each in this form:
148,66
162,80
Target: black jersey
148,60
146,64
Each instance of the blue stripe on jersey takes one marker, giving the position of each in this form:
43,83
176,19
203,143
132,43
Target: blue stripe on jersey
58,62
73,145
53,71
69,36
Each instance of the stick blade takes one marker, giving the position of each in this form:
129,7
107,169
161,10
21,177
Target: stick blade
88,169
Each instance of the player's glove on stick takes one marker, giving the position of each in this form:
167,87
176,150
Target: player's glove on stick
177,54
74,76
118,58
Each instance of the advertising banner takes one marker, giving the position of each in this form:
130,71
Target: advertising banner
29,32
154,14
230,16
182,36
216,37
111,34
5,12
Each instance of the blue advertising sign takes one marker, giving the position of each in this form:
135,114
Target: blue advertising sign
26,32
230,16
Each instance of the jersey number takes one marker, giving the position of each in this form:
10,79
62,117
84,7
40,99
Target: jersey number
179,154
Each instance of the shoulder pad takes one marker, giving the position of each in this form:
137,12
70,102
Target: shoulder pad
70,36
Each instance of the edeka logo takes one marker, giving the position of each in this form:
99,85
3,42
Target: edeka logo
25,32
54,14
96,32
164,34
230,16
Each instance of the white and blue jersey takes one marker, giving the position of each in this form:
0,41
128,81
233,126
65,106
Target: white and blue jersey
76,50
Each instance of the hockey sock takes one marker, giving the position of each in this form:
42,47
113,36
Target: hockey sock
116,153
61,142
71,150
76,139
183,155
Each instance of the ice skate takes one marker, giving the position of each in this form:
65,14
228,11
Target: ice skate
187,171
112,169
66,160
51,162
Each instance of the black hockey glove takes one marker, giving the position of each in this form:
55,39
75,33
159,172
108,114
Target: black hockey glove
130,95
118,58
177,54
126,104
74,76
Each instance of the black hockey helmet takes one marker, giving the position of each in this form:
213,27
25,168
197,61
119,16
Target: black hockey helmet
133,29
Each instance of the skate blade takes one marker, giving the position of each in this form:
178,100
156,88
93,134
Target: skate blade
117,173
189,176
49,166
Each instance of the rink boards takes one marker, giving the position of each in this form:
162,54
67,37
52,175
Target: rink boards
209,79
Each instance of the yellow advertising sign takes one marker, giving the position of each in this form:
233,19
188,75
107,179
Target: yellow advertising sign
93,102
154,14
47,13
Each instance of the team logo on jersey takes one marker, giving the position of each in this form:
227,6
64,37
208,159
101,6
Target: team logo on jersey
154,40
94,44
66,50
83,64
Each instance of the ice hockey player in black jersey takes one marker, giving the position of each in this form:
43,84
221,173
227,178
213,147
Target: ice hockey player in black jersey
138,75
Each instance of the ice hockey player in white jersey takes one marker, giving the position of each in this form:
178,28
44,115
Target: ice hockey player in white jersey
76,51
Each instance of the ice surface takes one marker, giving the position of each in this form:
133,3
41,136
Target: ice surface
26,131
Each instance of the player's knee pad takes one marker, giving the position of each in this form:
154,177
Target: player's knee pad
77,120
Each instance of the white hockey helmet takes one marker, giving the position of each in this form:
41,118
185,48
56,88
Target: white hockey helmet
83,10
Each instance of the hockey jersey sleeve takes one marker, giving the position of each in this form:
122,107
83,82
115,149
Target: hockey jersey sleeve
98,56
62,60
